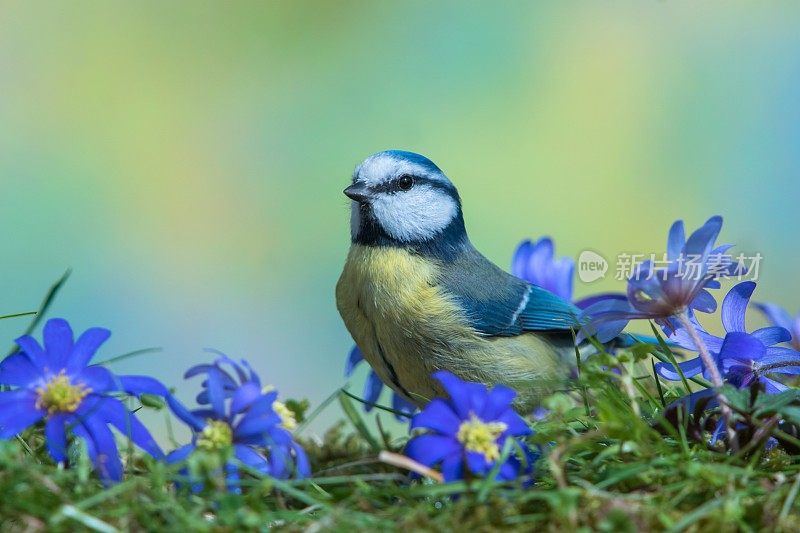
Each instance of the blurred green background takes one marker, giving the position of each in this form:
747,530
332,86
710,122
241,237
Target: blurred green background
186,159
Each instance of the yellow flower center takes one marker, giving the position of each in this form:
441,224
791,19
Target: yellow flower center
288,421
60,395
217,435
481,437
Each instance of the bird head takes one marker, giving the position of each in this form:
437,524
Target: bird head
402,198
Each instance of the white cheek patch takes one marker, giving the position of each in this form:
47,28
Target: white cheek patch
416,215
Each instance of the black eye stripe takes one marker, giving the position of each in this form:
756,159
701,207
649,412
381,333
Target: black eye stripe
393,186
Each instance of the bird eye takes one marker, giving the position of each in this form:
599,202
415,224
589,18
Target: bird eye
405,183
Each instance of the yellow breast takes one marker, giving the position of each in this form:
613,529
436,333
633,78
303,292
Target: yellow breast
407,328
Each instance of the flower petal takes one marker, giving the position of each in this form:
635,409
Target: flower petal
743,347
224,359
202,397
97,378
459,391
678,335
216,392
106,459
197,370
543,250
17,411
262,405
372,389
438,416
689,368
735,304
58,341
701,242
180,455
232,479
689,402
17,370
228,383
776,314
55,432
137,385
606,318
509,470
244,397
676,240
279,462
779,360
353,359
258,420
603,331
401,404
80,431
536,264
466,397
197,424
585,303
250,457
499,400
253,376
86,347
704,302
773,387
452,468
301,463
430,449
115,413
478,396
772,335
515,424
564,276
519,262
289,459
477,463
204,414
34,351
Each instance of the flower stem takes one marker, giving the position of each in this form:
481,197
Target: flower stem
716,377
785,364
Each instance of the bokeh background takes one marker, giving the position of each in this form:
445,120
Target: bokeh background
186,159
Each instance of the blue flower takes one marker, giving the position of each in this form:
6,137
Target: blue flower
467,432
780,317
58,385
240,419
535,262
374,386
743,358
660,292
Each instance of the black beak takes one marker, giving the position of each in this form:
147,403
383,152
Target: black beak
357,192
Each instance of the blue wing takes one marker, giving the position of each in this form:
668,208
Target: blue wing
499,304
545,311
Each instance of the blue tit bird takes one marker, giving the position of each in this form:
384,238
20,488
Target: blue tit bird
417,297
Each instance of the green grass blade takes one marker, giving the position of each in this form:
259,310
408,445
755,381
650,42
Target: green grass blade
355,418
86,520
45,305
15,315
134,353
376,405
